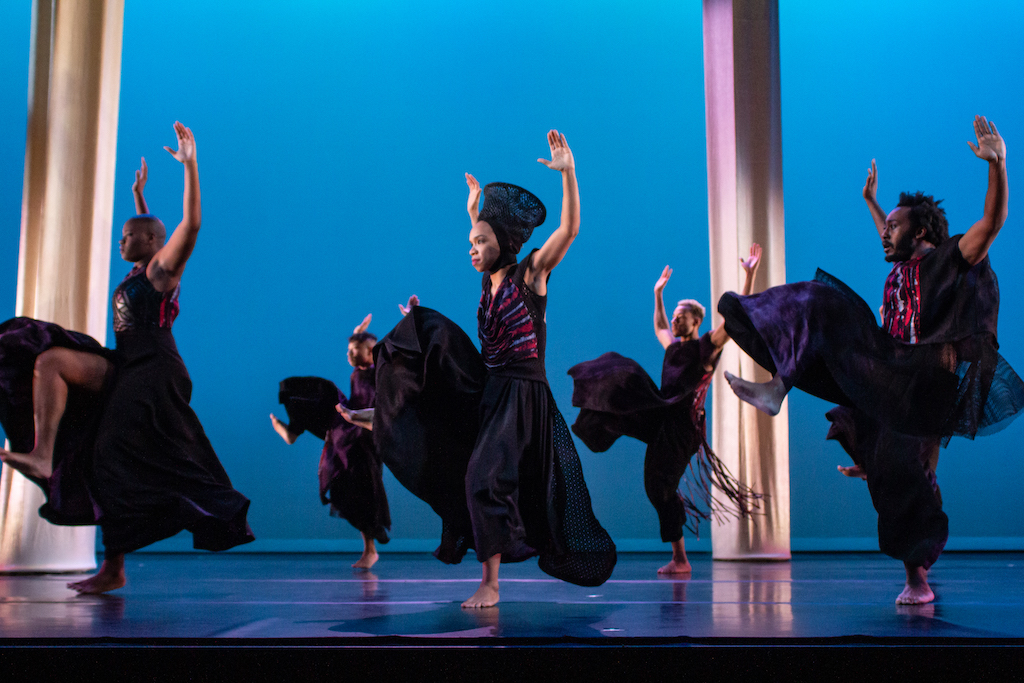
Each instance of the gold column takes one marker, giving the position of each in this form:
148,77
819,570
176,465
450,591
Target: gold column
67,208
744,137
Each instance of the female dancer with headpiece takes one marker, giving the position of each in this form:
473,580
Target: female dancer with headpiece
479,437
618,398
109,436
350,471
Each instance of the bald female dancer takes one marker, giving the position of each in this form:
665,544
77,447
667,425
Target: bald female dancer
109,435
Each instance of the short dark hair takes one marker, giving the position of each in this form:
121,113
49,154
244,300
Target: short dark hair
926,213
360,337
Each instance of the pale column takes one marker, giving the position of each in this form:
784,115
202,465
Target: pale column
67,208
744,135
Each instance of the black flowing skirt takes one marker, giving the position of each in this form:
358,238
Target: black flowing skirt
821,337
139,455
437,414
350,473
618,398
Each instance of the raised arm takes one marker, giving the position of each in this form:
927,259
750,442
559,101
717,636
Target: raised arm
662,329
870,196
719,336
167,265
974,245
365,325
473,205
138,186
407,308
554,249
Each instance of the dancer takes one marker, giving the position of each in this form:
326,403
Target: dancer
109,436
480,438
930,372
618,398
350,473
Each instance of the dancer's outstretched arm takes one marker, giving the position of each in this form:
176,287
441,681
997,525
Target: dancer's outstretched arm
870,193
360,418
167,265
974,245
662,329
473,204
365,325
407,308
554,249
719,336
139,186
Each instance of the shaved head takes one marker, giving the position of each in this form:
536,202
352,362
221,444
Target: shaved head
148,224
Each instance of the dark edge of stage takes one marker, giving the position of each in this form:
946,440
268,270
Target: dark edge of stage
462,659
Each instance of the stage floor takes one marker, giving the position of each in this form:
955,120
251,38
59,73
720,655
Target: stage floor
316,598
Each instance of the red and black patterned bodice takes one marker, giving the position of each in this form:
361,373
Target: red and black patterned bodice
511,326
901,301
940,297
139,306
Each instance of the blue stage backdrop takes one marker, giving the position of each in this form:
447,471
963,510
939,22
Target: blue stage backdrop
333,138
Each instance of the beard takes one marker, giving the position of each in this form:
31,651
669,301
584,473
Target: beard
902,249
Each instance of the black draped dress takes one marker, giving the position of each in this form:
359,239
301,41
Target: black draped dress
479,437
132,458
618,398
932,371
350,471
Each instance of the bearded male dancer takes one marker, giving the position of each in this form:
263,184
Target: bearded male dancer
618,398
932,371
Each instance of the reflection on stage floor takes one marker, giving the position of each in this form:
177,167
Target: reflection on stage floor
318,597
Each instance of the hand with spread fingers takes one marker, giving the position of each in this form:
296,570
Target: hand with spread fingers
991,147
186,151
561,155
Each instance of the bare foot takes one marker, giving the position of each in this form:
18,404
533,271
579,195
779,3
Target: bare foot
36,465
917,591
110,577
854,471
766,397
282,430
675,567
486,596
366,560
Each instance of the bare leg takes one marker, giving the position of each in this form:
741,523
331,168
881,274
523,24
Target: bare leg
282,430
766,397
854,471
110,577
679,563
487,594
369,556
55,370
917,591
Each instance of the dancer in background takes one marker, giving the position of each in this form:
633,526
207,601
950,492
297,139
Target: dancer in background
109,436
350,471
618,398
930,372
479,437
